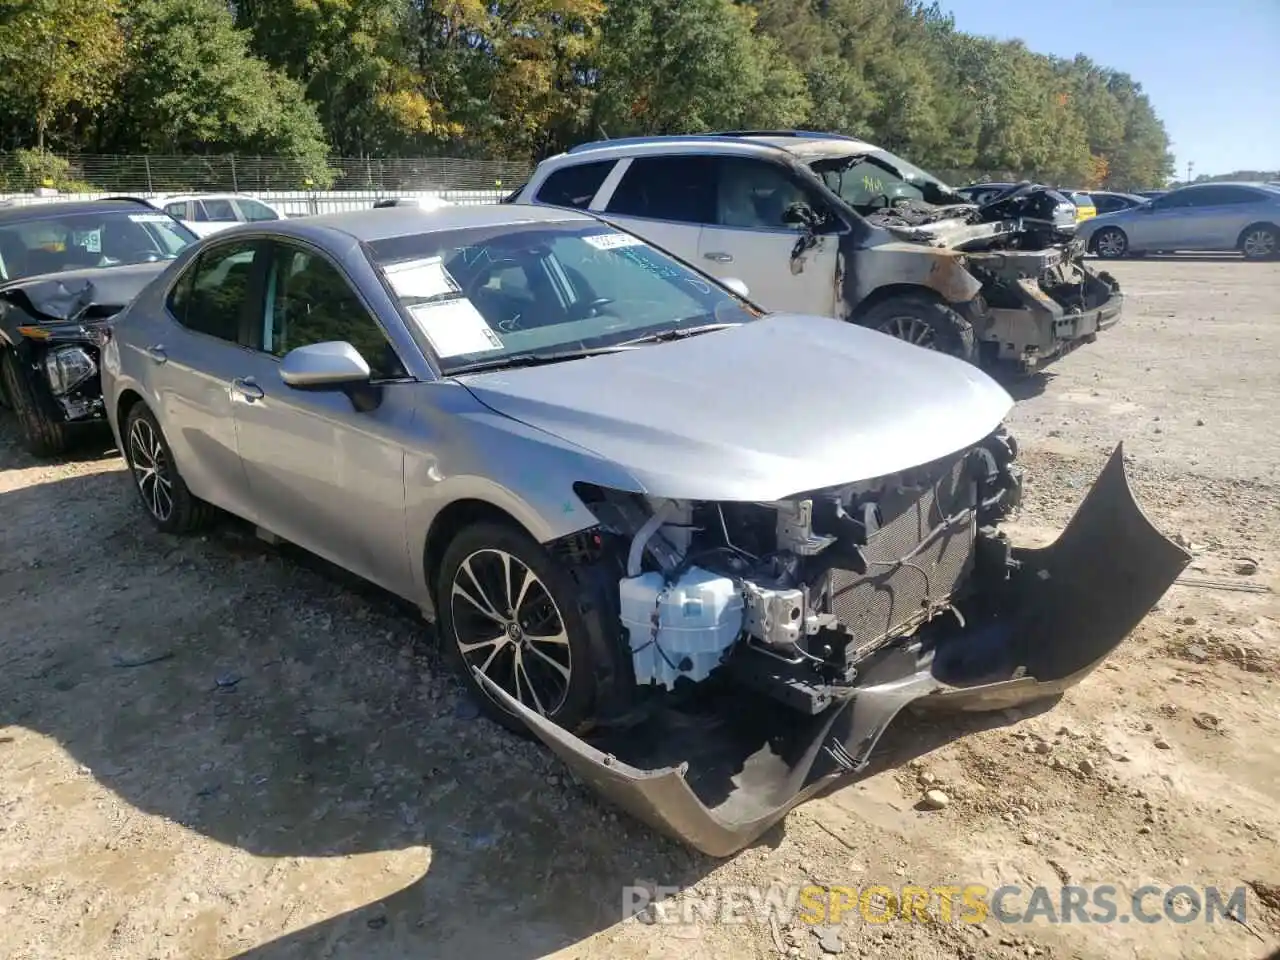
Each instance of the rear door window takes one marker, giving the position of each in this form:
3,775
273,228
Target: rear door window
212,297
678,189
574,186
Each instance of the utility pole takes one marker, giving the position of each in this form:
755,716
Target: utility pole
1190,166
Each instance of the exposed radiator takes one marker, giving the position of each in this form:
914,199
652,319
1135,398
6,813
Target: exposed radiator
892,597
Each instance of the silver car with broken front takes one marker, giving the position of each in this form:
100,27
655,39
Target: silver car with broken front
704,553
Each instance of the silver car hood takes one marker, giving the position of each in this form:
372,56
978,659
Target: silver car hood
761,411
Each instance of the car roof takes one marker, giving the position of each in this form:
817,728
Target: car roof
60,208
184,197
800,143
371,225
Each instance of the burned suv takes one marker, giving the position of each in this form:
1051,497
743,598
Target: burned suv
828,225
65,268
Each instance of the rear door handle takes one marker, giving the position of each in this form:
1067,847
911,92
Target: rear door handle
157,353
719,257
246,389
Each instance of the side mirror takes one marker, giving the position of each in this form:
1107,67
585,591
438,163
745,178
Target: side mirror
800,215
736,285
321,366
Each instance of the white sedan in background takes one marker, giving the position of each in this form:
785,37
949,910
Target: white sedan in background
208,213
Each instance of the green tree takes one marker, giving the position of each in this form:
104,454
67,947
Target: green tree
56,56
193,87
673,66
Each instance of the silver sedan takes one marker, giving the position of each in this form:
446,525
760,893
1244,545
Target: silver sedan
1204,217
616,484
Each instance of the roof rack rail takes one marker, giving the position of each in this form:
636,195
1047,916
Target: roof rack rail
655,138
812,134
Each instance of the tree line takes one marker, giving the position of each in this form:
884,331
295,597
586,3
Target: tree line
521,79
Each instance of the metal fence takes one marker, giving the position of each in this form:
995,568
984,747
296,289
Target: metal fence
241,174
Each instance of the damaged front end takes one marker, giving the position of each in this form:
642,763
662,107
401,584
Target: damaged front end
782,639
1037,298
56,332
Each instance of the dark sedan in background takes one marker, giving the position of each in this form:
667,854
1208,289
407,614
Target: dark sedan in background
65,267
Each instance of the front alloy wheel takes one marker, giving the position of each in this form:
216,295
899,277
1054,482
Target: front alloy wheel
911,329
1260,243
509,628
513,612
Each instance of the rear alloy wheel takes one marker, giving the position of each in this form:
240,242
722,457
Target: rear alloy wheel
1260,242
923,321
1110,243
172,507
42,436
509,611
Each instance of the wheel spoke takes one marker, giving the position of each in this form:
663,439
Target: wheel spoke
528,682
482,605
558,639
560,668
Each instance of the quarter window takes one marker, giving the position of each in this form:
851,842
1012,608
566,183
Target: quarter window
215,210
574,186
254,210
178,210
211,297
309,301
678,189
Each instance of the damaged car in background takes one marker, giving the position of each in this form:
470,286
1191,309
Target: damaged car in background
65,269
704,553
828,225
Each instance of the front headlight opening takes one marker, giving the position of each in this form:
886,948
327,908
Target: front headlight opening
67,368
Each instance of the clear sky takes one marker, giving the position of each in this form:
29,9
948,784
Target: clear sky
1210,69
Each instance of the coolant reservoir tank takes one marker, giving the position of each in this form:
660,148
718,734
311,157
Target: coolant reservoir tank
698,618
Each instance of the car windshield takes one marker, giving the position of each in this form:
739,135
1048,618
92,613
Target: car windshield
874,179
521,293
76,241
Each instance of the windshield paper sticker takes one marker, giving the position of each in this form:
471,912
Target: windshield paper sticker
421,279
150,218
455,327
612,241
89,240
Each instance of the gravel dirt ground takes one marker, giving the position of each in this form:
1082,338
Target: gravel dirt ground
216,748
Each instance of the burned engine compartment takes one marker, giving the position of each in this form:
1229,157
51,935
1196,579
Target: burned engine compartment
790,597
1026,217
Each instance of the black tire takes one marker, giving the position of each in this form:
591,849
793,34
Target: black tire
142,441
1260,241
42,436
480,549
1114,247
924,321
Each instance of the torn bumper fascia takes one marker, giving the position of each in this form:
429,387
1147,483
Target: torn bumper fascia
1068,607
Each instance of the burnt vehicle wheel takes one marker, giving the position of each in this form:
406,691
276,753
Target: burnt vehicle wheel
1110,243
509,610
42,435
1260,242
172,507
923,321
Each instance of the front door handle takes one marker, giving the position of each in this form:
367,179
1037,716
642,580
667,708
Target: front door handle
157,353
719,257
246,389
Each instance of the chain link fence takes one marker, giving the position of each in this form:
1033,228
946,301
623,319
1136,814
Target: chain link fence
96,173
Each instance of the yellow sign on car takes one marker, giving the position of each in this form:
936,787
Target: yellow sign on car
1084,204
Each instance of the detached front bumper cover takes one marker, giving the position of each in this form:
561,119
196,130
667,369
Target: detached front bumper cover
731,775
